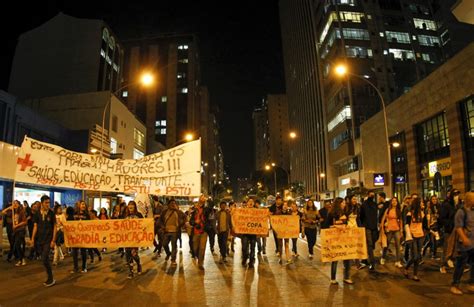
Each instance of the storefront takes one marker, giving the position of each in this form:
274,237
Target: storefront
348,181
436,178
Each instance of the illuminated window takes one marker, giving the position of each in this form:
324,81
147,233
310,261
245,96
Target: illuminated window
340,139
398,37
125,94
402,54
345,17
102,53
184,90
425,24
181,75
137,154
183,61
428,40
350,33
164,99
113,145
183,47
341,117
139,138
358,52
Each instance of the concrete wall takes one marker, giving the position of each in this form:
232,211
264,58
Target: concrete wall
440,91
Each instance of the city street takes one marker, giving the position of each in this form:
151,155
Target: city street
303,283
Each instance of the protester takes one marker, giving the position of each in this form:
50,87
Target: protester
232,207
337,218
131,212
390,228
224,226
172,219
323,213
91,251
281,208
464,228
211,225
249,241
369,212
8,223
310,220
261,240
415,219
103,214
352,212
158,229
19,232
80,214
199,220
294,241
446,223
44,233
60,219
432,233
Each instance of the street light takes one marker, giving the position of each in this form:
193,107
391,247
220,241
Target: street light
293,135
341,70
274,166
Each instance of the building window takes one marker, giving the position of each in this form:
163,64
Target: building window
425,24
113,145
160,127
358,52
345,17
181,75
164,98
350,33
114,123
184,90
433,138
467,108
469,116
340,139
341,117
137,154
398,37
102,53
427,58
183,61
139,138
402,54
125,94
428,40
183,47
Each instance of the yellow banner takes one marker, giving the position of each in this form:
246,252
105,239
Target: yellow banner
109,233
343,243
286,226
250,221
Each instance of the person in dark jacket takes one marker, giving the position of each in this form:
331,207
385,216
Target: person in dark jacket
447,212
369,220
172,219
323,213
224,226
199,222
80,214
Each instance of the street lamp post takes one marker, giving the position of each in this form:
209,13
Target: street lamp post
341,70
274,166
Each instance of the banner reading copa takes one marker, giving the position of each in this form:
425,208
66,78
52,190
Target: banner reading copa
250,221
174,172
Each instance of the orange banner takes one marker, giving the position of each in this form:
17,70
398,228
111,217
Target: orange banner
250,221
286,226
109,233
343,243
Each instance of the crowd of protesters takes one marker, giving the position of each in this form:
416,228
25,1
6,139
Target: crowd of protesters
405,231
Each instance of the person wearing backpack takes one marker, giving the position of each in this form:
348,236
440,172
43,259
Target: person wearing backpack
464,228
446,223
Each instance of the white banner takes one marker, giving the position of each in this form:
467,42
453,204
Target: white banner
8,157
174,172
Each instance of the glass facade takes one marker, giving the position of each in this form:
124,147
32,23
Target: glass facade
428,40
398,37
467,110
358,52
433,139
425,24
402,54
340,139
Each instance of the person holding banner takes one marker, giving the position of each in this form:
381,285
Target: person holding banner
44,233
261,240
159,235
294,241
131,212
337,218
172,219
281,208
60,219
248,242
8,223
390,228
310,221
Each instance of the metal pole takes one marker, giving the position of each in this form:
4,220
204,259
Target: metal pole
275,174
389,158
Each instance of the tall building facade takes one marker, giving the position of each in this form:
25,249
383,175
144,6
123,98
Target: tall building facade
394,45
306,112
172,107
261,136
278,129
66,55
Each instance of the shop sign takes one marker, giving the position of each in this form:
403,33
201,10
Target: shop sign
345,181
442,166
379,179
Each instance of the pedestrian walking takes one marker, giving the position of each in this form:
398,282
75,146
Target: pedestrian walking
294,241
390,228
414,221
446,222
464,228
249,242
131,212
224,227
337,218
60,219
369,218
172,220
44,233
199,220
80,214
310,220
19,232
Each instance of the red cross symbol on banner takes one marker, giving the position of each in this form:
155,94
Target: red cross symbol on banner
26,162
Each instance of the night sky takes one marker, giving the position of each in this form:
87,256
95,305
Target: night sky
241,56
